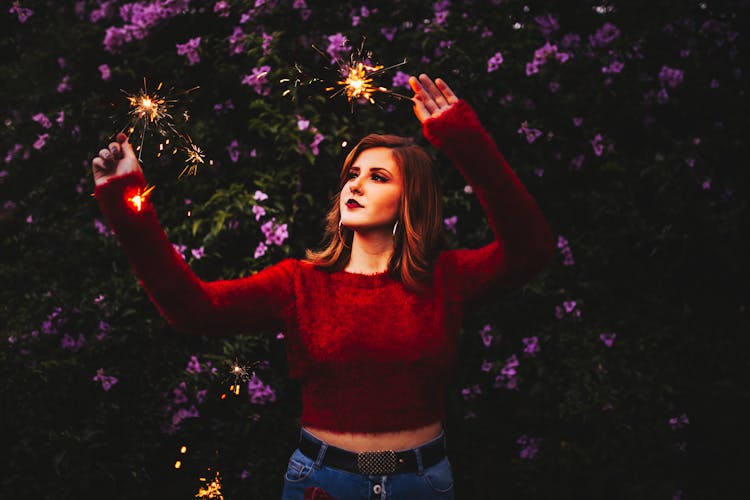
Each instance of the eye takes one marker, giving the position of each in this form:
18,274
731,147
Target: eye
351,175
379,178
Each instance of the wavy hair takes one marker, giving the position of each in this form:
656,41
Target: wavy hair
419,236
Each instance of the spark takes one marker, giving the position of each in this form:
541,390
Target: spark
195,157
238,374
359,75
151,111
138,198
356,78
211,489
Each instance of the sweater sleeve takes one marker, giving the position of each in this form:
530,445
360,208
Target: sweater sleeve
523,243
256,302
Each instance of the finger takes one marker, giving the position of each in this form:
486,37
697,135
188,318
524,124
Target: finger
114,148
420,110
127,148
106,156
434,92
98,165
450,97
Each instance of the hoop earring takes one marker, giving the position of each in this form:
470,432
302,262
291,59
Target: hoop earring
395,226
341,235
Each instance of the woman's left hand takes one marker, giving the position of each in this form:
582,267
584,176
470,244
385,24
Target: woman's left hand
430,99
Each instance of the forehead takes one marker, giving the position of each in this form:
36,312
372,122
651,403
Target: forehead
376,158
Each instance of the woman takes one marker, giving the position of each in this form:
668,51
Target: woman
372,320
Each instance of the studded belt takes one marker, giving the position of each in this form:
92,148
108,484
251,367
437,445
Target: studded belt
376,462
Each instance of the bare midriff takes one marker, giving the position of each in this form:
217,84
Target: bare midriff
399,440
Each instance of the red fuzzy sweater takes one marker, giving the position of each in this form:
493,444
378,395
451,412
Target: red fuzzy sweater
370,355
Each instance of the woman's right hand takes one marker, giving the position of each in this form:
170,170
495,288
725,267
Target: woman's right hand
118,159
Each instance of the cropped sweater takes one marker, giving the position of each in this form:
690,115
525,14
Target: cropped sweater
370,355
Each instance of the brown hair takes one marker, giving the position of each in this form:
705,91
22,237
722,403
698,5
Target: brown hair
419,235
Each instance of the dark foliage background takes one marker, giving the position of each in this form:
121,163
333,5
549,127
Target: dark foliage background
629,130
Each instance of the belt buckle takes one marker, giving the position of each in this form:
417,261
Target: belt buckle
377,462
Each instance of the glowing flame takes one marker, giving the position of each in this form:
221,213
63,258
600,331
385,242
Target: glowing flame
139,198
211,489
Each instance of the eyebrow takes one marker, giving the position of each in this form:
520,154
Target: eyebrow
372,169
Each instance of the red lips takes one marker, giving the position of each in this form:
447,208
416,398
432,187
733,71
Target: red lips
351,203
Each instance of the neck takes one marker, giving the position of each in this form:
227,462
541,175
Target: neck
371,252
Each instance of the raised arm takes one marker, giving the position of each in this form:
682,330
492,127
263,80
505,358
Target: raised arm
186,302
524,243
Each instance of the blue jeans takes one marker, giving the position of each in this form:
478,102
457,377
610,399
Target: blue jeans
435,482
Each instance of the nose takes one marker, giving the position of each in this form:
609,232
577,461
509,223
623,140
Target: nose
355,187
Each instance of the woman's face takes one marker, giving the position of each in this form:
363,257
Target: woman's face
371,196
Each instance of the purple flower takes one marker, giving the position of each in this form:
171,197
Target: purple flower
63,86
400,79
102,228
597,144
190,49
259,392
608,338
266,45
40,141
486,336
532,134
198,253
486,366
529,447
68,342
604,35
554,87
258,211
237,41
257,79
182,414
200,396
103,329
570,40
547,24
115,37
21,12
531,345
17,148
107,381
260,250
577,121
105,72
275,233
314,144
337,46
532,68
260,196
679,422
450,223
670,76
614,67
193,366
494,62
180,249
234,151
388,33
42,120
222,8
60,118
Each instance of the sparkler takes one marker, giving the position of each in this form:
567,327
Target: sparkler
356,78
211,489
240,373
153,111
137,198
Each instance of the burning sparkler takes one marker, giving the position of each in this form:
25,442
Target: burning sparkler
138,198
153,111
357,77
211,489
240,374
